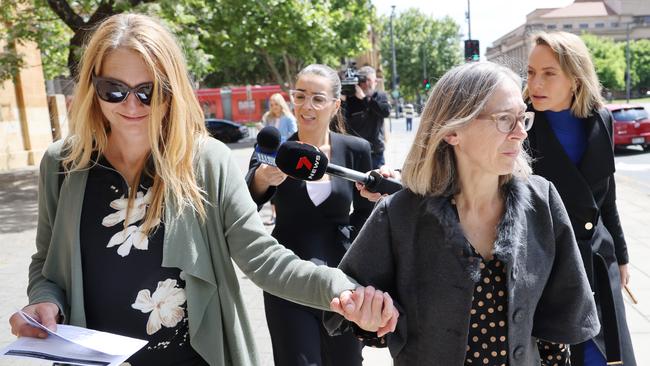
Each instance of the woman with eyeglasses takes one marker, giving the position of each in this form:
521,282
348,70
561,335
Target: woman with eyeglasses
571,144
314,219
140,214
478,254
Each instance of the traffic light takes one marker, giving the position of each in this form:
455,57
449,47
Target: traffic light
426,84
472,50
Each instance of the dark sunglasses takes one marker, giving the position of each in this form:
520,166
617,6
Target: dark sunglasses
114,91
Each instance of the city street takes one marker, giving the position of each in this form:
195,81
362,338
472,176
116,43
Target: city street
18,211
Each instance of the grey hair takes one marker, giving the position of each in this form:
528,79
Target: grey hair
456,100
326,72
367,70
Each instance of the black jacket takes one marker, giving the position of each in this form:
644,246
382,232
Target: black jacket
588,191
321,233
365,118
413,247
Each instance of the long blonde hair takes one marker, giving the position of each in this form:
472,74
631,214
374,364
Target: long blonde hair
455,101
575,61
176,120
279,100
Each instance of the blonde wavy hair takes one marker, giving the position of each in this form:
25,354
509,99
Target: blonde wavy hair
176,121
455,101
575,61
279,100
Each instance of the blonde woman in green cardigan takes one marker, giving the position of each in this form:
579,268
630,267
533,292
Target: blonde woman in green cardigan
140,214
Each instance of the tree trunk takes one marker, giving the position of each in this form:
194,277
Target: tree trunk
274,70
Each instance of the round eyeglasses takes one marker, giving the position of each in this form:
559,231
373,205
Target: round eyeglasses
507,122
318,101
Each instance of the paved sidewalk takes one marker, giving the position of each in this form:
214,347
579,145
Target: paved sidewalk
17,232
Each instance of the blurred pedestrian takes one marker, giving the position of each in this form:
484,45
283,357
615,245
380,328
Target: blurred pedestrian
409,113
572,146
141,214
478,253
364,113
314,219
280,117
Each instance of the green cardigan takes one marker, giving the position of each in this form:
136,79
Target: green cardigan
219,328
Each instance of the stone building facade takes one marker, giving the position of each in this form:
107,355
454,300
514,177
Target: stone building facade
606,18
25,129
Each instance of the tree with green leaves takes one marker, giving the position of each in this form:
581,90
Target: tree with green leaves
60,27
250,41
421,42
640,64
609,60
31,21
271,40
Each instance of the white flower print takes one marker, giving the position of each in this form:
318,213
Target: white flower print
132,236
164,305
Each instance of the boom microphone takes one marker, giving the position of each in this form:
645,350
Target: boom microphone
268,140
306,162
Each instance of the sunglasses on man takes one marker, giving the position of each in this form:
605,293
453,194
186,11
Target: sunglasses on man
115,91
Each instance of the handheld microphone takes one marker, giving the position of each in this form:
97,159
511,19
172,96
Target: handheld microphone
306,162
268,141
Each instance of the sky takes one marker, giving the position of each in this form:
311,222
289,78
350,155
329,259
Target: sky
491,19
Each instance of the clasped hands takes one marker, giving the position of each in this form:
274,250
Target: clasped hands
372,310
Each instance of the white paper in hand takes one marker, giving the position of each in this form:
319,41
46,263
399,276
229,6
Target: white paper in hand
76,345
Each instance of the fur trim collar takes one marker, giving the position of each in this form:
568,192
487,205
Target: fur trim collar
511,231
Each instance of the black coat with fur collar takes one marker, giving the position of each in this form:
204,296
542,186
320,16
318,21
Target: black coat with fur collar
414,248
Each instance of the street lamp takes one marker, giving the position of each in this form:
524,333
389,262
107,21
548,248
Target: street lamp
627,60
394,73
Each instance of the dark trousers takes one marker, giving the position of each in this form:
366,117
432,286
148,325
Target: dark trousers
299,338
409,124
377,160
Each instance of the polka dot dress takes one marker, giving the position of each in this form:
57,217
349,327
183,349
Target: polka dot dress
553,354
487,342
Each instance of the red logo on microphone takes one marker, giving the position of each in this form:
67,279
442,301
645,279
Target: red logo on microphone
303,161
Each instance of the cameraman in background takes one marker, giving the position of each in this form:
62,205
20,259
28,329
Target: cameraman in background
365,109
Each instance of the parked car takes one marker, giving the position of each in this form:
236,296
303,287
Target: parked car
226,131
631,125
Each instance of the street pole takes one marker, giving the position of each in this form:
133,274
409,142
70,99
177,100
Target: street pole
469,23
627,60
394,73
424,63
424,72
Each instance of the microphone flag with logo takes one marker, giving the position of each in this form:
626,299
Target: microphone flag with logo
301,161
268,141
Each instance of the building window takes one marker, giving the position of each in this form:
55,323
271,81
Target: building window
567,26
614,24
551,26
600,25
584,25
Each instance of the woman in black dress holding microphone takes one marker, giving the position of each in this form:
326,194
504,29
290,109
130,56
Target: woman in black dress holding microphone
314,219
